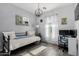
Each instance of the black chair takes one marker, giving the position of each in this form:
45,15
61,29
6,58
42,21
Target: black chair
63,42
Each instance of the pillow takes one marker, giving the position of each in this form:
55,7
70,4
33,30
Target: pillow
31,33
11,34
20,34
26,33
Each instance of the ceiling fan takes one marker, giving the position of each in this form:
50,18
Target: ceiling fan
39,11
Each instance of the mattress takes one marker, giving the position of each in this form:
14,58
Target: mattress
17,43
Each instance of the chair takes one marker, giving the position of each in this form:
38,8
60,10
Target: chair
63,42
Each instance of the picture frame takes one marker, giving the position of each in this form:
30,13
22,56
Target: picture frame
20,20
64,21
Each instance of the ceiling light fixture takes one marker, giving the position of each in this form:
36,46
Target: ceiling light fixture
44,8
38,11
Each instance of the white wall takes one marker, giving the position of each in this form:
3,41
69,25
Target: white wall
65,11
7,18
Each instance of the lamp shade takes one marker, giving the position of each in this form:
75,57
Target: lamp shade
37,26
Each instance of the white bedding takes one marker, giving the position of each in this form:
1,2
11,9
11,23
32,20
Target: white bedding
16,43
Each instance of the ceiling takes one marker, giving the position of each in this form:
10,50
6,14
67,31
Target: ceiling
31,7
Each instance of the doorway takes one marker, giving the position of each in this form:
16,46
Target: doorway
51,30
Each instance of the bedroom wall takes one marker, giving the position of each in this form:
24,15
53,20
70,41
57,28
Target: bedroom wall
65,11
69,13
7,18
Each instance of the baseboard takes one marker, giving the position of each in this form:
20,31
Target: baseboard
49,43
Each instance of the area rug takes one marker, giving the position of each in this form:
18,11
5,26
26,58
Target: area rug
38,50
27,54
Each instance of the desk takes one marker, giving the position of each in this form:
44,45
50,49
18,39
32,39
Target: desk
72,46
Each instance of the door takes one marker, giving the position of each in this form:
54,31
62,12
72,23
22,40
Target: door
51,30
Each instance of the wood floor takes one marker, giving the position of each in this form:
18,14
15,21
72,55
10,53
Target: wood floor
52,50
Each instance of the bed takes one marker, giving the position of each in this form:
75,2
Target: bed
17,41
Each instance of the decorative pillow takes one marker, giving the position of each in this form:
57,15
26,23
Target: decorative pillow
26,33
20,34
31,33
11,34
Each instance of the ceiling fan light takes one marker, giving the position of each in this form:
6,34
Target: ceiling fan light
38,12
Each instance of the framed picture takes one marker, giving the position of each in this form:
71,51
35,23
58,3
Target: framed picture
26,21
64,21
21,20
18,20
